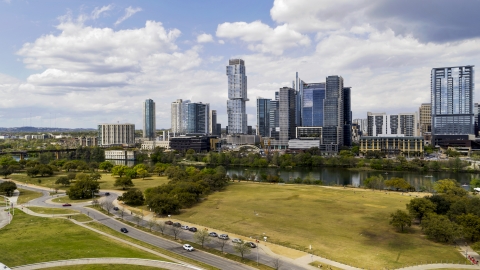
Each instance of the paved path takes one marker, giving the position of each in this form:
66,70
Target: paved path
130,261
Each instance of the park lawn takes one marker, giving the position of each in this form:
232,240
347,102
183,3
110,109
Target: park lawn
51,211
103,266
47,181
346,225
27,195
66,199
29,239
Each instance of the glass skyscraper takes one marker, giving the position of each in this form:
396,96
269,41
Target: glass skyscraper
312,107
197,118
287,115
149,119
237,95
333,111
263,117
452,91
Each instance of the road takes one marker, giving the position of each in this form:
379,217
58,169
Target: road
172,246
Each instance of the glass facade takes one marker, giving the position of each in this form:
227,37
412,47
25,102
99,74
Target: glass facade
452,91
287,113
237,95
149,119
312,106
197,118
263,117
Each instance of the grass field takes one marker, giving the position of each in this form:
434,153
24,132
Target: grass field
347,225
66,199
27,195
106,182
104,266
30,239
51,211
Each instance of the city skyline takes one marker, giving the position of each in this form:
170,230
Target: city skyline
54,73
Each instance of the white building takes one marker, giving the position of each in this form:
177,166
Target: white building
116,134
120,154
151,145
392,125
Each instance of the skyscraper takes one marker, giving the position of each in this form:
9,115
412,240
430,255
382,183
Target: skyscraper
176,116
347,117
263,116
287,113
425,113
274,118
452,90
197,118
333,111
213,122
312,105
149,119
402,124
237,95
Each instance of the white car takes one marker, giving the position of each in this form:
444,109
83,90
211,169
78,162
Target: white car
188,247
236,240
185,227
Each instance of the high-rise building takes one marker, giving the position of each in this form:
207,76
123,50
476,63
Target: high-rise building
425,114
476,114
176,116
219,129
452,90
237,95
347,117
287,113
298,86
213,122
312,105
263,116
402,124
333,111
116,134
149,127
363,124
274,122
197,118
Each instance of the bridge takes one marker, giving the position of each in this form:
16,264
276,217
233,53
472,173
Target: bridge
24,153
247,148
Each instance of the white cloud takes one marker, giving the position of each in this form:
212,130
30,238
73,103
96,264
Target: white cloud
98,11
221,41
262,38
128,13
204,38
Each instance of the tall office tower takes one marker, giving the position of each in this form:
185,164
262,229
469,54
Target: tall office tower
197,118
333,111
425,113
263,116
219,129
116,134
347,117
213,122
287,120
298,86
274,123
452,90
476,110
363,124
312,105
237,95
176,116
402,124
149,119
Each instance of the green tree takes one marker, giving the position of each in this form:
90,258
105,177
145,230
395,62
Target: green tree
440,228
32,172
471,226
142,173
124,182
70,165
63,180
84,187
5,172
450,187
132,197
119,170
419,207
106,166
400,219
475,183
202,237
242,249
8,187
397,183
163,203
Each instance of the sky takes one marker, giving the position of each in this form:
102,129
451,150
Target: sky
76,64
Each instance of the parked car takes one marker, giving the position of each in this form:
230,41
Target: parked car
251,244
236,240
107,193
66,204
177,224
185,227
223,236
168,222
124,230
213,234
192,229
188,247
115,208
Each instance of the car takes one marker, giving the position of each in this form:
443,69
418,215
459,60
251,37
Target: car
185,227
192,229
66,204
177,224
237,240
223,236
115,208
124,230
251,244
107,193
187,247
213,234
168,222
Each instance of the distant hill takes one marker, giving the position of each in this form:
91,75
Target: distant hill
43,129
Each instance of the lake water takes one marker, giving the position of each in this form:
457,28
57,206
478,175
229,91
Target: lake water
341,176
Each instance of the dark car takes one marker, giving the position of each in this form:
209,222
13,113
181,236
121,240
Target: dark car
107,193
115,208
124,230
251,244
177,224
192,229
168,222
66,204
213,234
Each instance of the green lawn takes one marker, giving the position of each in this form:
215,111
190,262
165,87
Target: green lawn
27,195
103,266
51,211
66,199
347,225
30,239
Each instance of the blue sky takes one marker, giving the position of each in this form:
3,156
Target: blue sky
80,63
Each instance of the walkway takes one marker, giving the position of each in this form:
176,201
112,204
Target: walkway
129,261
